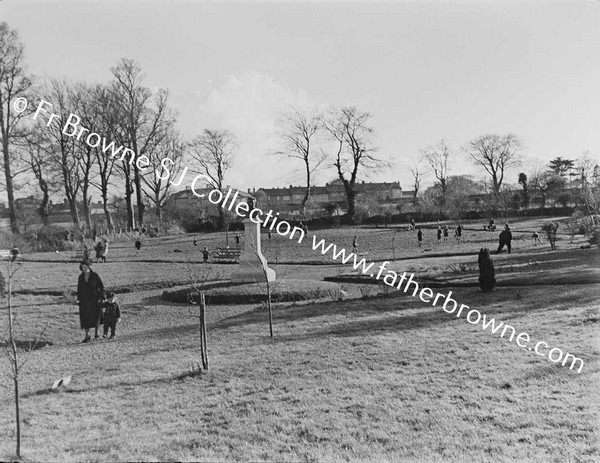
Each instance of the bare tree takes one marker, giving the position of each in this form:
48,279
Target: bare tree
214,150
417,171
35,158
352,135
298,132
437,157
495,153
106,124
143,118
60,148
584,168
14,84
12,348
156,184
89,111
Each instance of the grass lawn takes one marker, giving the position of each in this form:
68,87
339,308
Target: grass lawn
384,378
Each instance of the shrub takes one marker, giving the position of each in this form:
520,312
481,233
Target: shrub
487,272
52,238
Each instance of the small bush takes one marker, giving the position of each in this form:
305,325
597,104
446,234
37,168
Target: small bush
487,272
52,238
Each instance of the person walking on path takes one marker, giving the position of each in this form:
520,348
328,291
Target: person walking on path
505,239
111,313
439,234
90,291
138,245
446,232
205,255
355,244
420,237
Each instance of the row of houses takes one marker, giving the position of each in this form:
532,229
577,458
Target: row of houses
286,199
289,199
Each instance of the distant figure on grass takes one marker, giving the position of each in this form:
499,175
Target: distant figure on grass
412,224
551,228
439,234
205,255
86,251
536,238
458,233
100,251
487,272
138,245
111,314
446,232
90,292
492,224
104,249
355,244
505,239
420,237
14,253
195,241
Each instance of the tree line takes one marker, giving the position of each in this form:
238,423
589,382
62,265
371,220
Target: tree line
128,113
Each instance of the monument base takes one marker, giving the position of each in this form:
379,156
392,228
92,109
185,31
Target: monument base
252,261
250,270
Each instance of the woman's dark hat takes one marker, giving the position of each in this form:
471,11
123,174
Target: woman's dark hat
109,294
85,262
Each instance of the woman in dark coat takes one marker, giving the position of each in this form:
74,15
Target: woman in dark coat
90,292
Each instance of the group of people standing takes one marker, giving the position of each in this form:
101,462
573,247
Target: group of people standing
442,234
101,248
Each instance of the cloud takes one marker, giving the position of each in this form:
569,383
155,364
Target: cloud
249,105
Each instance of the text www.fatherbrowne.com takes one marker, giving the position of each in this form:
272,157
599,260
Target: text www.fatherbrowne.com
448,304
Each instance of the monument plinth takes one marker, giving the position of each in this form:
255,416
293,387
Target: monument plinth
252,261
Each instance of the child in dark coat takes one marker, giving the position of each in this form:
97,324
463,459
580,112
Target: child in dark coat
111,314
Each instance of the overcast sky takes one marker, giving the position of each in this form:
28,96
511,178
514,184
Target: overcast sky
425,70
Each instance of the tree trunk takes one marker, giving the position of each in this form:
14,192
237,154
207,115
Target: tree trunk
307,194
44,209
351,198
14,226
86,206
109,222
221,224
139,196
14,358
129,202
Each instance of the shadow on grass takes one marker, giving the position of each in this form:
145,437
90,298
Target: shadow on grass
525,300
28,345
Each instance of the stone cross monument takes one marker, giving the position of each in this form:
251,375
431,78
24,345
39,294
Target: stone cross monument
252,261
